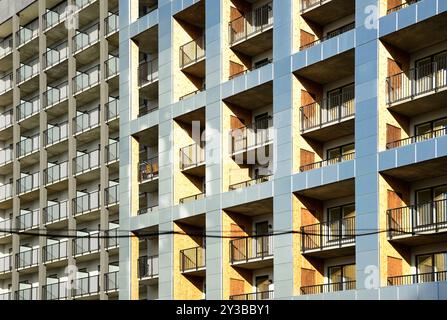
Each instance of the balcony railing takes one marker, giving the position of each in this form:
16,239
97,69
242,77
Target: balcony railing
6,46
87,79
55,212
55,173
251,248
55,291
112,67
28,219
112,240
55,16
27,33
192,156
5,264
55,251
147,72
86,202
55,134
147,210
147,267
28,258
86,285
252,23
192,52
420,218
252,136
329,287
112,152
5,296
192,198
328,111
250,183
28,183
83,39
86,162
111,281
86,244
192,259
328,162
6,83
234,75
6,225
405,4
146,108
5,155
418,138
148,169
418,81
330,35
112,23
28,145
55,95
329,234
260,295
86,121
417,278
310,4
112,109
54,56
83,3
28,108
112,195
31,293
192,94
28,70
5,191
6,119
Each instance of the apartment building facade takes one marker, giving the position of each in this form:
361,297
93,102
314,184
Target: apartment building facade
305,138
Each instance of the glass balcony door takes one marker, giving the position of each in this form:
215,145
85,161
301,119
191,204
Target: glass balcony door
431,206
432,267
262,240
340,277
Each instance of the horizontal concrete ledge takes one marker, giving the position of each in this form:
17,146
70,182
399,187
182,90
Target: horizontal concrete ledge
145,122
144,23
143,221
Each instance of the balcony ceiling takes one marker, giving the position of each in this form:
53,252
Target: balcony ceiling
29,14
6,28
148,137
148,40
194,14
254,98
253,209
330,11
197,115
335,190
419,171
197,221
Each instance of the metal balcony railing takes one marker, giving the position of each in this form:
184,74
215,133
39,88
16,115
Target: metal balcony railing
328,111
417,278
251,248
28,145
192,156
85,38
192,198
112,195
5,191
5,296
145,9
405,4
83,3
86,121
328,234
28,258
55,251
250,183
111,281
86,285
86,162
6,155
112,240
28,108
86,79
28,183
55,291
328,162
6,264
310,4
7,226
192,259
418,81
55,212
55,95
112,152
28,70
86,202
27,33
252,136
193,93
55,173
31,293
258,66
6,119
55,134
418,138
55,16
54,56
112,67
6,46
112,23
147,210
329,287
148,170
147,72
112,109
6,83
192,52
146,108
260,295
28,219
147,267
330,35
252,23
419,218
86,244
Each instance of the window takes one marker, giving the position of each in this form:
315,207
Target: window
338,31
431,72
341,153
428,130
432,267
342,277
431,206
340,103
340,222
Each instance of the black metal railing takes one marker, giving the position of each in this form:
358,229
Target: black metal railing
405,4
27,258
30,293
111,195
328,234
250,183
112,109
5,296
310,4
54,56
147,72
86,202
55,134
28,219
330,35
85,38
86,120
86,162
86,285
192,156
260,295
328,162
191,94
419,218
5,192
28,183
112,67
192,52
329,287
251,136
55,173
417,278
251,248
28,70
6,264
192,259
55,212
148,267
148,170
28,108
55,16
55,291
6,119
55,251
112,238
111,281
86,244
86,79
192,198
112,152
28,145
55,95
147,210
418,138
145,108
112,23
258,66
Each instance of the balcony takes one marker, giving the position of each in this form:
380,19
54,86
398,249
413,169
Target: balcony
419,90
54,56
6,119
86,244
421,219
192,261
252,252
329,287
191,158
86,285
252,33
330,35
320,238
27,33
6,83
328,162
192,57
147,268
147,210
86,79
195,197
54,252
6,47
112,23
259,295
112,152
81,4
54,16
5,296
86,121
146,108
112,110
55,213
415,139
55,134
147,72
251,137
86,162
27,71
417,278
111,282
6,156
28,219
323,12
28,183
31,293
55,291
112,240
28,145
55,173
405,4
257,66
112,67
6,264
84,39
55,95
5,192
86,203
249,183
148,170
27,109
27,259
112,195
